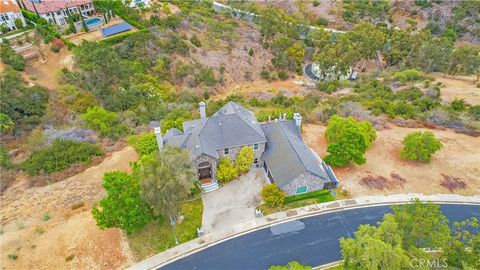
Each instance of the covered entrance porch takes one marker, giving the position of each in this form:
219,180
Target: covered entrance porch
206,178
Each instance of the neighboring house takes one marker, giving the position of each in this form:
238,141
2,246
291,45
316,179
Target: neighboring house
278,148
9,12
58,11
138,3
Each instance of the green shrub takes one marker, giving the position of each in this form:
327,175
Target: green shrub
264,74
121,37
144,144
5,161
46,216
328,86
282,75
272,195
226,171
474,112
6,123
304,196
458,105
195,41
10,57
315,3
251,52
408,75
244,160
206,76
59,156
104,122
13,256
420,146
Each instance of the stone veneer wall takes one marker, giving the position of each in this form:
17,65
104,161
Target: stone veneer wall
204,158
308,179
233,152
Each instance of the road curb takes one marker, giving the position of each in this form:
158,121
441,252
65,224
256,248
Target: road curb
199,244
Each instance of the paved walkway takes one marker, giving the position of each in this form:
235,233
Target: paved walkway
233,203
208,240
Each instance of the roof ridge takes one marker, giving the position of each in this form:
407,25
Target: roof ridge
296,153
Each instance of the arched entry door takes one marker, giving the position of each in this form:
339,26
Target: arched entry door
204,170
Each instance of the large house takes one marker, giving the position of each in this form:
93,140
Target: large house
58,11
278,148
9,13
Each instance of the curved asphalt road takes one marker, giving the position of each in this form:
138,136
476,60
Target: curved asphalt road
315,244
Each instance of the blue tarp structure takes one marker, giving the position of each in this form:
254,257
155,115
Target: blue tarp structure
115,29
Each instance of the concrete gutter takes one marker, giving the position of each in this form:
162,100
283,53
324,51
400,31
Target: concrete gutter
208,240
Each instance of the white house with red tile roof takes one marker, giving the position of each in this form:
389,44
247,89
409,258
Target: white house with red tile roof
9,12
57,11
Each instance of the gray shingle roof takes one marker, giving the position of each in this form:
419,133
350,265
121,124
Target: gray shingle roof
287,155
230,126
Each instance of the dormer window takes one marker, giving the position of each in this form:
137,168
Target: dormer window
226,151
255,146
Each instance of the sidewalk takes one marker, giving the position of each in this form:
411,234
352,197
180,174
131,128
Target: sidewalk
208,240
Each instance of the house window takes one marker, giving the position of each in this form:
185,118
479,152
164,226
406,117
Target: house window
255,161
255,146
301,190
225,151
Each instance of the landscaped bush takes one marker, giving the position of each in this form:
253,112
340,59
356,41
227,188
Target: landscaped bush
420,146
144,144
104,122
314,194
272,195
59,156
244,160
458,105
226,171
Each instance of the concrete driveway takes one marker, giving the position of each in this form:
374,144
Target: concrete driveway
234,202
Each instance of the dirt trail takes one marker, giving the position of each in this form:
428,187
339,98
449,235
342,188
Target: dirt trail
459,157
41,244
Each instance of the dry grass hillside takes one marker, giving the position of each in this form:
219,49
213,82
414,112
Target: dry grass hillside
387,173
51,227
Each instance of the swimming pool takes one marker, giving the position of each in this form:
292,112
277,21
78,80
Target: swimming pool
93,21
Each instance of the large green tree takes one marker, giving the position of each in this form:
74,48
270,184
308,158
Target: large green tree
166,179
402,236
348,140
123,206
375,248
464,60
367,39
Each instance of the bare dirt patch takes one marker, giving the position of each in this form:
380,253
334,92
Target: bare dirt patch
459,158
460,88
452,183
46,72
70,238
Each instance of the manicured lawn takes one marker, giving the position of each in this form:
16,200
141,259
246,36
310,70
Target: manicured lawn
297,201
157,236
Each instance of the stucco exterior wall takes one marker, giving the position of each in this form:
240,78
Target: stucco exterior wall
310,180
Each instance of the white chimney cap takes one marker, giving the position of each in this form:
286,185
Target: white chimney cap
157,130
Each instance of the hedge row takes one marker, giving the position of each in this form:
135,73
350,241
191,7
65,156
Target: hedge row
119,38
304,196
